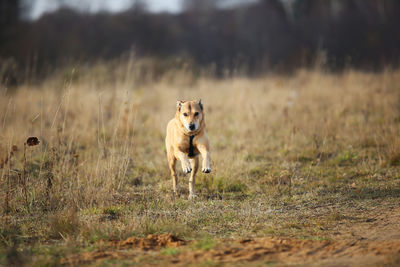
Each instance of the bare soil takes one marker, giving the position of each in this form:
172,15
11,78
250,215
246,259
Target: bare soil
373,242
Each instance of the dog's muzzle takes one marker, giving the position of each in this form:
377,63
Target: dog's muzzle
192,126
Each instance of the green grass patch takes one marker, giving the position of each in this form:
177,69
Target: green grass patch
346,158
205,243
170,251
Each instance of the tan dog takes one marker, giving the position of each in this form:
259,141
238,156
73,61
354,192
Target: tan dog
186,138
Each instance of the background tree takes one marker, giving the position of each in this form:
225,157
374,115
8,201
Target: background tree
254,37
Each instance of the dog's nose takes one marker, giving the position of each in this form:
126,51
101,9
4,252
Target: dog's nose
192,126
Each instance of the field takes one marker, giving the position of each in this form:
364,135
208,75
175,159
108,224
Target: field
305,170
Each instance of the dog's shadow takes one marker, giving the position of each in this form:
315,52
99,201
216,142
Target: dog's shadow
183,193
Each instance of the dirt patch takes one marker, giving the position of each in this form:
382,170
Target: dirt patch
294,251
152,242
379,225
90,257
284,251
117,249
374,241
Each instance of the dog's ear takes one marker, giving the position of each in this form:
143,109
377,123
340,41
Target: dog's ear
200,104
179,104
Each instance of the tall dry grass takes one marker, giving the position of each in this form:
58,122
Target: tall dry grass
279,143
100,138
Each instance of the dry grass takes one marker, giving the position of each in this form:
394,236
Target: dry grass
291,155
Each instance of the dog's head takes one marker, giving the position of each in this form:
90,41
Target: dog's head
190,113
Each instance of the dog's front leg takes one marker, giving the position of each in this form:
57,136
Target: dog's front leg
205,154
185,162
195,165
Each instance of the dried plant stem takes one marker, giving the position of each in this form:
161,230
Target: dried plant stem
7,196
24,179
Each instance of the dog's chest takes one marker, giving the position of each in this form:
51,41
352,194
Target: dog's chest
187,145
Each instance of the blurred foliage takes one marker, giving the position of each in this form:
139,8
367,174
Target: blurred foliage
251,38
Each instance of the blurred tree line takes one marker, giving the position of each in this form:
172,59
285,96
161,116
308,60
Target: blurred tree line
256,37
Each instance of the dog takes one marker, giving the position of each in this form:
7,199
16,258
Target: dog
186,139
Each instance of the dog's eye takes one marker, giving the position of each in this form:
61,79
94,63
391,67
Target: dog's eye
196,113
185,114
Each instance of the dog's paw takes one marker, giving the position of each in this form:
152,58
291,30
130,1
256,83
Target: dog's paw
186,168
192,196
206,170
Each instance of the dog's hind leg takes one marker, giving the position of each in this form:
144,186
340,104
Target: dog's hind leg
172,163
195,164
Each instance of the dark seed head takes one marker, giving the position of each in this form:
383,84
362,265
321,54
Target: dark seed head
32,141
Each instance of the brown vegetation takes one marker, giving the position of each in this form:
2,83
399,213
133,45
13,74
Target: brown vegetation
251,38
306,156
